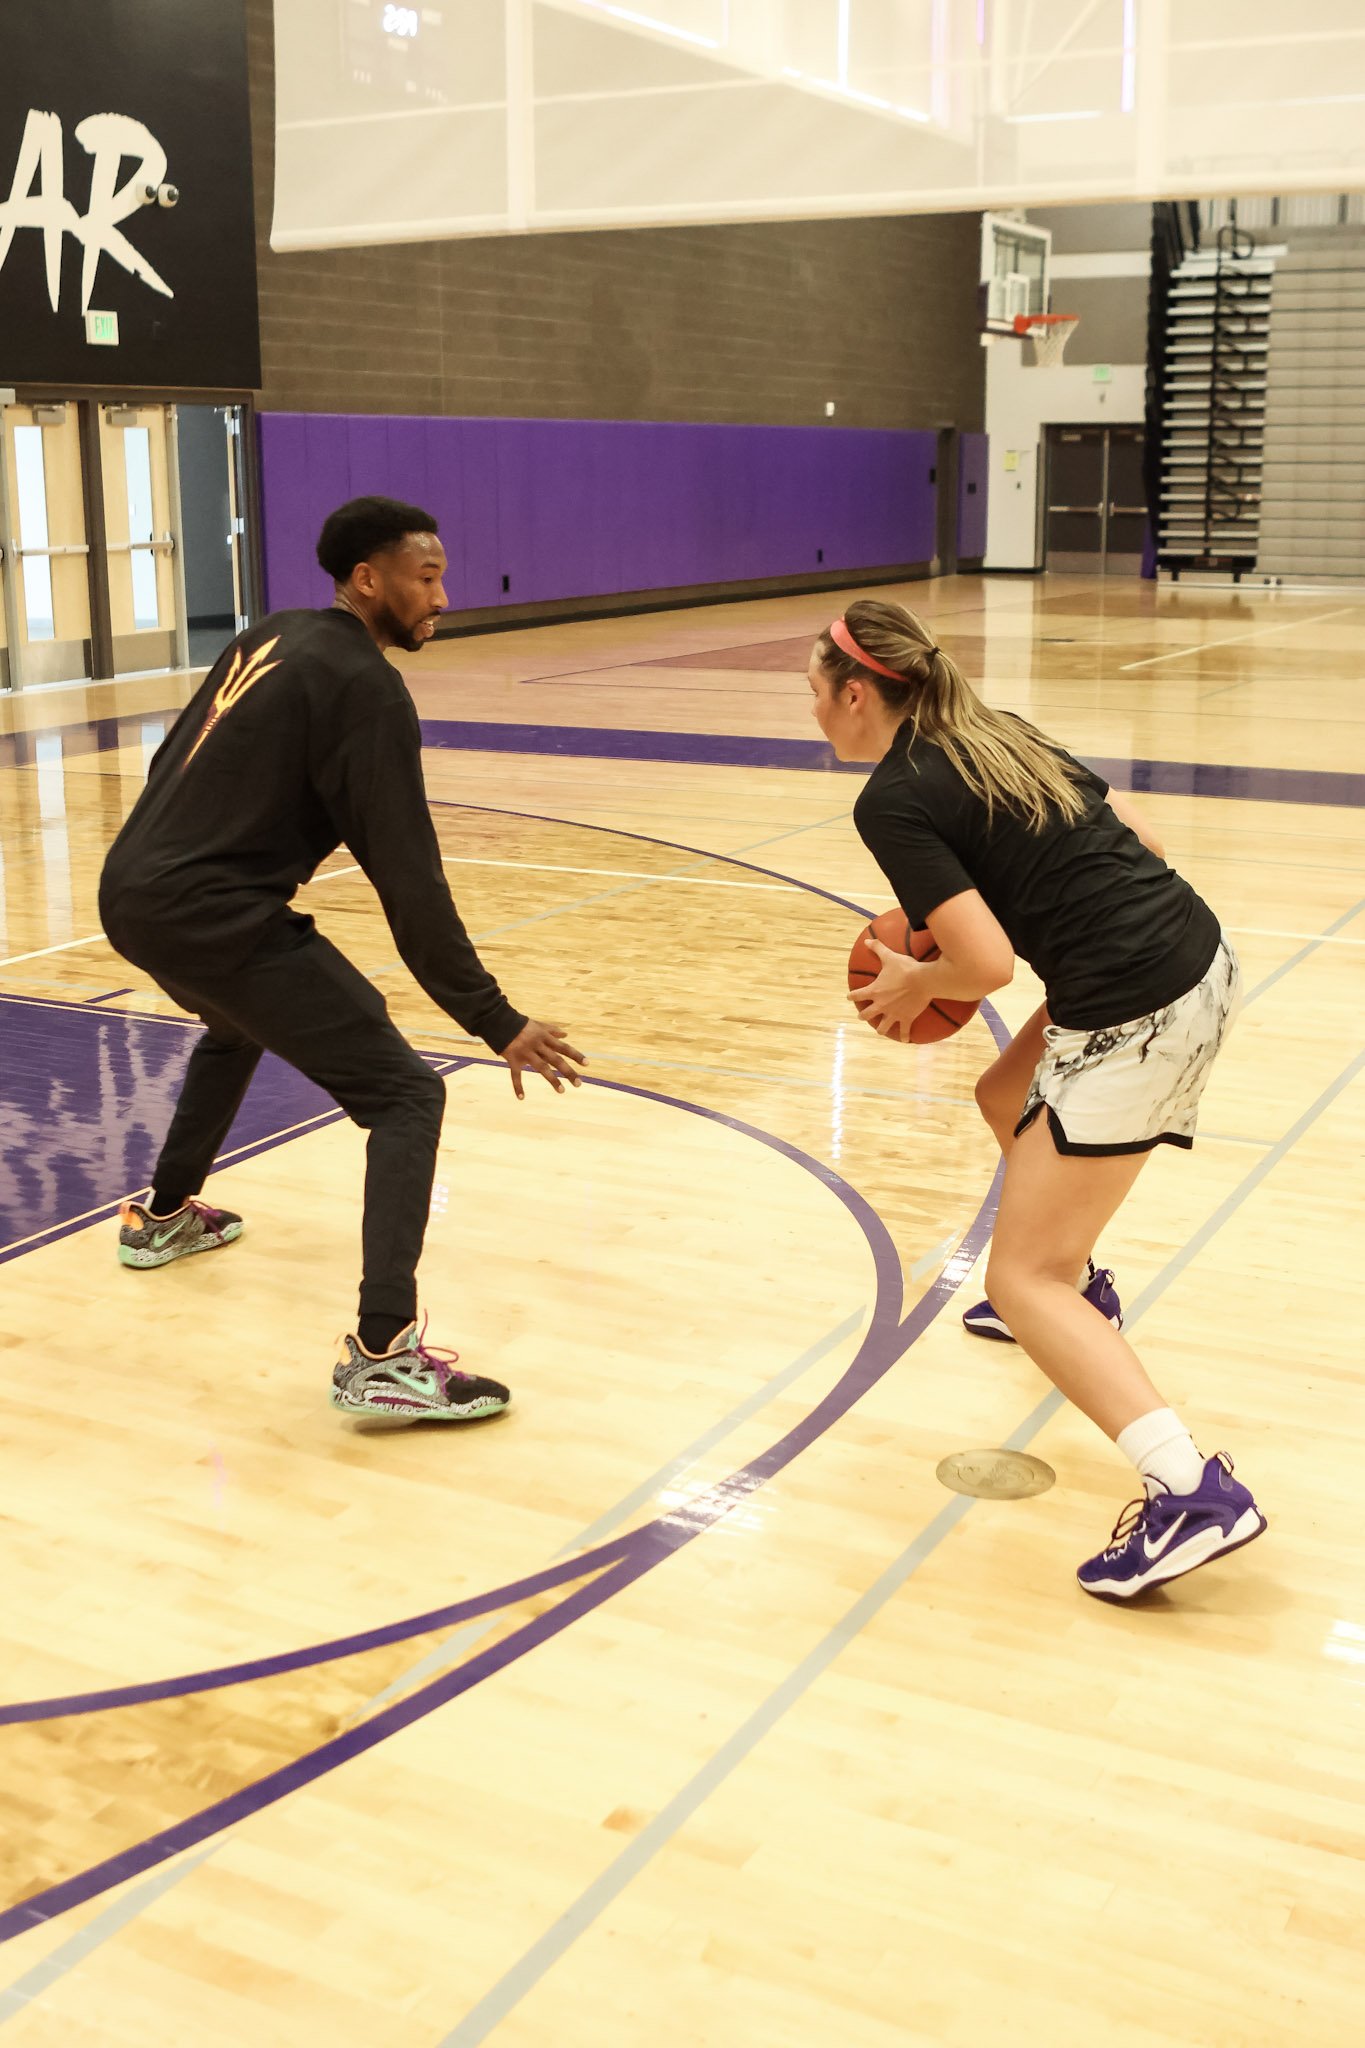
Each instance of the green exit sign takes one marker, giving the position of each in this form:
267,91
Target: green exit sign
101,329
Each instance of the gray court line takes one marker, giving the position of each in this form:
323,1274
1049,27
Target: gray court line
543,1954
1239,860
906,1095
453,1648
1304,951
933,1258
524,1975
131,1904
1190,1250
630,888
127,1908
1230,639
718,1431
44,1975
615,810
436,1660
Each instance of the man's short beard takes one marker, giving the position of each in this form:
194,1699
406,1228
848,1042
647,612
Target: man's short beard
399,635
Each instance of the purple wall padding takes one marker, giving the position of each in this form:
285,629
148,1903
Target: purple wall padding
588,508
973,469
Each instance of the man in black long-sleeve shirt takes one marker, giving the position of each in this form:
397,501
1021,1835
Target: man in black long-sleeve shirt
303,736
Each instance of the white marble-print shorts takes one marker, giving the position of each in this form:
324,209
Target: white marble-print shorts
1131,1086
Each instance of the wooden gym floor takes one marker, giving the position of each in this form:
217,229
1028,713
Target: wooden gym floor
684,1704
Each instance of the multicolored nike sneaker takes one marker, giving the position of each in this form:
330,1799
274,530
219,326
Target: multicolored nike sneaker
148,1240
1173,1533
1099,1291
412,1382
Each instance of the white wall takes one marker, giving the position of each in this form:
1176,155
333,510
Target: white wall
1021,400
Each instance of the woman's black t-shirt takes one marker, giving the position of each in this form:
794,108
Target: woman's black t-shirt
1111,932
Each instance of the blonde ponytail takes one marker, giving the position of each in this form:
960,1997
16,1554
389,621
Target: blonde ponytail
1002,759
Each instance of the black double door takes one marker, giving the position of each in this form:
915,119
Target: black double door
1096,508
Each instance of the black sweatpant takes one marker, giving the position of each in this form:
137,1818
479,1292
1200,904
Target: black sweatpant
298,997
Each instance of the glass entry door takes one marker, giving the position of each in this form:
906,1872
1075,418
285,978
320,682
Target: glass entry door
123,537
142,535
45,570
213,526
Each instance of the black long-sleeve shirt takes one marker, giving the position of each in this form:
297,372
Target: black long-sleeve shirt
301,737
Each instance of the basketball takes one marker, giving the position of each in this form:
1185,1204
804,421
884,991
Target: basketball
944,1016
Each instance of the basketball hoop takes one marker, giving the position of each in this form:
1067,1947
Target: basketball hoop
1047,334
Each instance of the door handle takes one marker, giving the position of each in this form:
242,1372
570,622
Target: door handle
1128,511
1097,511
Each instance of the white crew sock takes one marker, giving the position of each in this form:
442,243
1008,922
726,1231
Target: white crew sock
1163,1450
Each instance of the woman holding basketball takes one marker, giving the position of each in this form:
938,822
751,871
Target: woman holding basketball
999,843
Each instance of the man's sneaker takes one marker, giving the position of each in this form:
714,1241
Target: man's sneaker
1099,1291
1172,1533
147,1240
412,1382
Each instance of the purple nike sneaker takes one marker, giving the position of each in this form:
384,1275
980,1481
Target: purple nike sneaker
1099,1291
1173,1533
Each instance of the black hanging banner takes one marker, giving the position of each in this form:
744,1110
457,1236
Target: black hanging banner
127,233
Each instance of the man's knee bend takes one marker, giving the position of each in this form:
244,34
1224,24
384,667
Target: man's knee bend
427,1095
402,1094
226,1038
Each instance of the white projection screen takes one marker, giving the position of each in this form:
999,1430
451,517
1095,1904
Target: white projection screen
399,122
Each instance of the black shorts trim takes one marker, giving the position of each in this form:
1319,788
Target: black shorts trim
1071,1150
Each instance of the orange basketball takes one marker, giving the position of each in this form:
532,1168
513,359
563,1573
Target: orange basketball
945,1015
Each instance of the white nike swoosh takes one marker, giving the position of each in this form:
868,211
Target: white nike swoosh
1155,1549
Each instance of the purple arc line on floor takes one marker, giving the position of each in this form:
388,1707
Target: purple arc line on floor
615,1564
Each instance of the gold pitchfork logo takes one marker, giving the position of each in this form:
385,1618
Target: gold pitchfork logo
234,687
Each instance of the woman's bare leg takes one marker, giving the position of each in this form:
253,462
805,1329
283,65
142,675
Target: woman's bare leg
1052,1207
1002,1089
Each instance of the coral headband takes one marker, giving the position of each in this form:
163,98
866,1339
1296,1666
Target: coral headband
846,644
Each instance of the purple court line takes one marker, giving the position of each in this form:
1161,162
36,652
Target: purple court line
1174,778
870,1222
80,1004
885,1317
76,1703
442,1062
624,743
639,1552
743,750
239,1806
86,736
641,1548
731,860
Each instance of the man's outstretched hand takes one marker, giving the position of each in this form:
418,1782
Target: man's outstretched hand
543,1049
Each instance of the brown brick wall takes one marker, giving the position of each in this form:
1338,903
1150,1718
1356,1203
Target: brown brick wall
746,323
